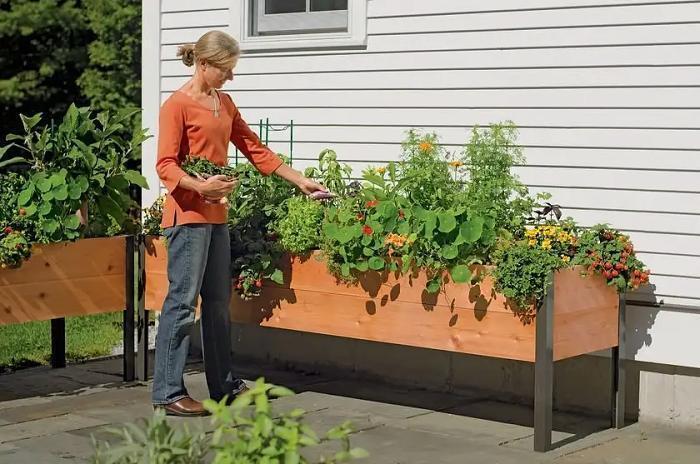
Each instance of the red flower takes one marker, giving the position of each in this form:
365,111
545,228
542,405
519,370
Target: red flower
8,230
258,283
360,217
367,230
371,203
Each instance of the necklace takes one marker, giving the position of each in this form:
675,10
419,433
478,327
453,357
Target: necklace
216,102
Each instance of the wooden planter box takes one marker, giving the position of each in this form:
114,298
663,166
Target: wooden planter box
65,279
581,315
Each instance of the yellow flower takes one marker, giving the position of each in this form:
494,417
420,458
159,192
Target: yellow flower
532,242
455,164
380,170
531,233
565,258
546,244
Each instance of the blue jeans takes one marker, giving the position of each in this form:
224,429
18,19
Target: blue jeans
199,262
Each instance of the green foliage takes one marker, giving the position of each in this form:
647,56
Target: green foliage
493,188
523,273
610,253
155,441
299,230
112,79
198,166
255,205
45,43
81,160
153,216
331,173
246,432
14,248
424,173
86,337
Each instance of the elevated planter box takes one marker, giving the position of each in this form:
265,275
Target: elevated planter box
581,315
88,276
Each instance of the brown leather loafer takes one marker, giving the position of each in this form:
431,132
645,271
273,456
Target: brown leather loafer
184,407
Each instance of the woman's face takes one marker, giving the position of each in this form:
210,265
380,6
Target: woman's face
216,76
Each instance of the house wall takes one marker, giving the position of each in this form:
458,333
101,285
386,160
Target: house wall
605,93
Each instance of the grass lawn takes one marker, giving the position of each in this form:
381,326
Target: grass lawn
86,337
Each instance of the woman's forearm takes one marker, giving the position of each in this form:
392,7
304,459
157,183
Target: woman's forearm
290,174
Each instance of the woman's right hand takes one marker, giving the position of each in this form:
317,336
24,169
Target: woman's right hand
217,187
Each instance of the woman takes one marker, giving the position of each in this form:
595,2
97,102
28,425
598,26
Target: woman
197,119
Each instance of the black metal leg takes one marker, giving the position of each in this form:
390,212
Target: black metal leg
142,354
544,373
129,283
617,418
58,342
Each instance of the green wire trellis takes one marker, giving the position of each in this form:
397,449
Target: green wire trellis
264,128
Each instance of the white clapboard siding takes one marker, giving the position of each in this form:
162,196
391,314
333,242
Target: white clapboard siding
550,19
552,117
379,8
650,55
605,94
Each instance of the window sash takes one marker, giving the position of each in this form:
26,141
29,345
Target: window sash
296,23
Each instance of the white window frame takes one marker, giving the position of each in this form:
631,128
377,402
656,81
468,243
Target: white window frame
354,37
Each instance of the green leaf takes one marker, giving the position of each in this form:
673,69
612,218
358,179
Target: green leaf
50,226
83,183
367,251
366,240
447,222
74,191
25,195
376,263
44,208
29,122
345,234
461,274
345,270
291,457
430,224
277,277
118,182
362,266
61,192
71,222
135,177
433,286
472,229
43,184
110,207
30,210
449,251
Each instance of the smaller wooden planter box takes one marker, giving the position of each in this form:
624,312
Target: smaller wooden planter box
88,276
65,279
581,315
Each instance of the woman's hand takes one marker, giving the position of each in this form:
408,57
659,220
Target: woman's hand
215,188
308,186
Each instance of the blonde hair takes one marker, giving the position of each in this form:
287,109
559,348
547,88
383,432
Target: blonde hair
215,47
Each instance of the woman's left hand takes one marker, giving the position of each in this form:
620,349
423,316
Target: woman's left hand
308,186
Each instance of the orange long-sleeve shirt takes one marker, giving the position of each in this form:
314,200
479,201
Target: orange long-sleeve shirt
187,127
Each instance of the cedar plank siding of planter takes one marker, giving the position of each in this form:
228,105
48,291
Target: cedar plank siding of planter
465,319
65,279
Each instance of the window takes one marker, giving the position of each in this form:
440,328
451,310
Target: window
281,17
264,25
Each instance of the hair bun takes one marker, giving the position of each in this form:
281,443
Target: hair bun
187,54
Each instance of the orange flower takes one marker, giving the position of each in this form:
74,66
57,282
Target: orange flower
396,240
371,203
425,146
367,230
455,164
